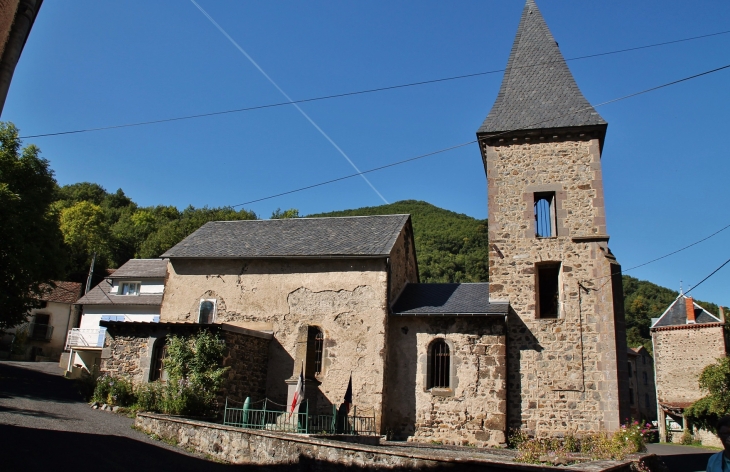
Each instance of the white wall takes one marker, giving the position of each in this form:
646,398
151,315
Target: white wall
93,313
147,287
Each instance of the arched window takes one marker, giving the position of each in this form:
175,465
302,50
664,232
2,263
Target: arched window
159,352
315,351
206,312
439,365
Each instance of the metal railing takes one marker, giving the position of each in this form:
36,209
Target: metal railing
88,337
268,415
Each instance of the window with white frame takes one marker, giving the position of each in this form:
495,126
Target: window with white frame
206,311
129,288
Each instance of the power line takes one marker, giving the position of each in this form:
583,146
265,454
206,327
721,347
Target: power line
360,92
711,274
631,95
299,109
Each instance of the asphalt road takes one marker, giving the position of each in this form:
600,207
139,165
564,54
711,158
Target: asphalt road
682,458
46,426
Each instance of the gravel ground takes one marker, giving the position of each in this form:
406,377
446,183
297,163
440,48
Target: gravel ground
45,425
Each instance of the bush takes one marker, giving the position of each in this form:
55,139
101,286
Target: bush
112,390
628,440
149,396
687,438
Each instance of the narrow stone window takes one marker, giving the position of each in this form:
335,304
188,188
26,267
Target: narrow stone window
547,275
439,375
631,395
631,373
315,351
646,378
159,352
545,223
206,312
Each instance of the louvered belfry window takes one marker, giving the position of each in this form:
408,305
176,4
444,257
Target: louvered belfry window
439,375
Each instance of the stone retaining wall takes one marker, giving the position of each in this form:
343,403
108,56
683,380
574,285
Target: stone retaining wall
279,451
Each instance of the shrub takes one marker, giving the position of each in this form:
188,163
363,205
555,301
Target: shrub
687,438
149,396
112,390
628,440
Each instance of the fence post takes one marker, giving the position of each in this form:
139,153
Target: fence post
225,412
354,420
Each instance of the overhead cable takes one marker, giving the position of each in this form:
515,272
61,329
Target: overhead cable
360,92
711,274
631,95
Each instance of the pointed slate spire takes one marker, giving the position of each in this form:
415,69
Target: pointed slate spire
538,91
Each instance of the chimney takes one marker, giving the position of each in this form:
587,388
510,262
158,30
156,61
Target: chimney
722,314
689,304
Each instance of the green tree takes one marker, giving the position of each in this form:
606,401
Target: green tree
715,380
31,245
290,213
85,231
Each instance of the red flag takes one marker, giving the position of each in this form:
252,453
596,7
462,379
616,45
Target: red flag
298,393
348,395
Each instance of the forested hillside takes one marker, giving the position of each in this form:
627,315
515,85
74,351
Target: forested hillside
451,247
643,301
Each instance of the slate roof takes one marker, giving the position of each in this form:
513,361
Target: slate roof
447,299
538,91
359,236
65,292
141,269
676,314
100,295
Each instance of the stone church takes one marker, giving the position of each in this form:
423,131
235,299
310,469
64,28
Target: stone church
540,348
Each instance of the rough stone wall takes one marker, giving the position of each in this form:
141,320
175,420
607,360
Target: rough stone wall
282,452
679,357
642,384
566,374
473,410
123,356
247,357
345,298
403,265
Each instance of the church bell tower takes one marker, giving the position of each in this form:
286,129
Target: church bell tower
541,146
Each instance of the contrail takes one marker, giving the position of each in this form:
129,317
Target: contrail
287,97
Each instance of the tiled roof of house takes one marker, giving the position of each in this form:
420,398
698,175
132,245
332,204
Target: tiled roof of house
141,269
100,295
359,236
538,90
676,314
447,299
64,292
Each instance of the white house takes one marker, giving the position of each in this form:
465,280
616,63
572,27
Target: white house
133,293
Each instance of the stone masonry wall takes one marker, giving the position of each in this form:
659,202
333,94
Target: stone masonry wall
472,411
345,298
679,357
247,357
403,265
566,374
123,355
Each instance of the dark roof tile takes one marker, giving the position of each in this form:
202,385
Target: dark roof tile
676,314
64,292
141,269
538,90
100,295
360,236
447,299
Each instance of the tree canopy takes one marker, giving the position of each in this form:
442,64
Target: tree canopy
31,245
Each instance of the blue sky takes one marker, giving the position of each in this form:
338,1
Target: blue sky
665,162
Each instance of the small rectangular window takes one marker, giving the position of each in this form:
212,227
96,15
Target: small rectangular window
548,289
545,221
631,371
129,288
